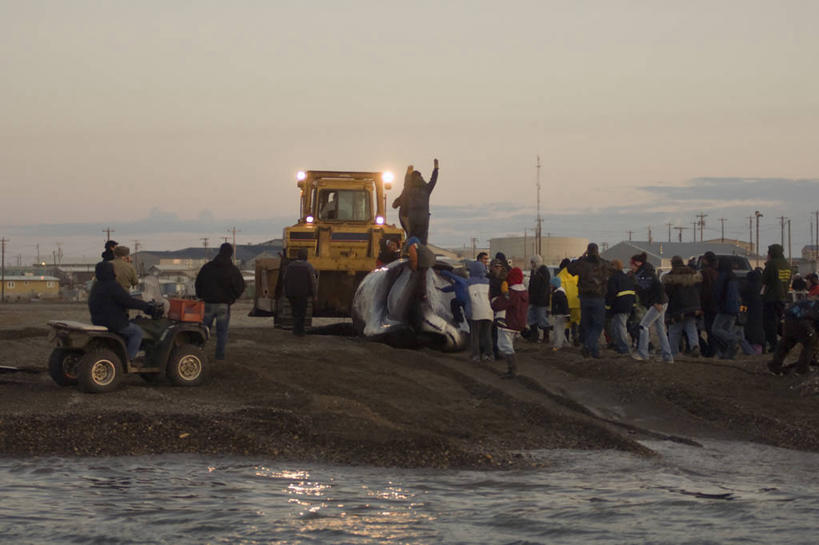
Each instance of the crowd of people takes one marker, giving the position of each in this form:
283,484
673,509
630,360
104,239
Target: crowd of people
694,309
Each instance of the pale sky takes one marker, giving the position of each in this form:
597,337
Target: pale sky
111,111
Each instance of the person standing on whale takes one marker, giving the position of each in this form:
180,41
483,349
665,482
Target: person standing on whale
413,203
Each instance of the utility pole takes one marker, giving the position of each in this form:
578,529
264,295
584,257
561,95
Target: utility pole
694,225
669,231
782,230
38,249
679,232
3,241
205,245
751,233
136,249
59,253
722,230
649,234
539,219
758,215
790,256
474,247
108,232
701,222
233,230
629,235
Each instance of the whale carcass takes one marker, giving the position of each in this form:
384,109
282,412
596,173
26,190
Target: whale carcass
404,307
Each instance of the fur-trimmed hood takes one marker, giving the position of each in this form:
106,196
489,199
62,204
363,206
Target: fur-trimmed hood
682,276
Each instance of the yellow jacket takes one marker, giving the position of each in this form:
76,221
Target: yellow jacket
569,284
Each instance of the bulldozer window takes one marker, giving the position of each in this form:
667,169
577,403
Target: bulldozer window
344,205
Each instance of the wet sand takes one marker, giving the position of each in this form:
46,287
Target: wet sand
344,400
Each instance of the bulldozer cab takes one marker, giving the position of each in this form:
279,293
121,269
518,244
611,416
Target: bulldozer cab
341,224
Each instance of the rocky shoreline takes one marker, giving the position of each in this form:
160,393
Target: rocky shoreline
343,400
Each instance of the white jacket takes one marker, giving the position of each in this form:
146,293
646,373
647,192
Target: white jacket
479,302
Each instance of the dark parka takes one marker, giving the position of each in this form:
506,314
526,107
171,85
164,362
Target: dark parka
539,287
753,302
219,281
299,279
649,289
726,292
108,302
620,294
777,275
682,288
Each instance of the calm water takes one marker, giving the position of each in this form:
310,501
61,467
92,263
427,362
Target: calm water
725,493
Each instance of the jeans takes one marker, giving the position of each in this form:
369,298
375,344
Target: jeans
220,312
133,338
725,335
619,334
592,321
538,316
656,317
675,331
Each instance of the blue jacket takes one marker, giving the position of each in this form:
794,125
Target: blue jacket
726,293
477,273
459,286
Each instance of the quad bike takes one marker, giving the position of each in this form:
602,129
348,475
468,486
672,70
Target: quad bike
95,359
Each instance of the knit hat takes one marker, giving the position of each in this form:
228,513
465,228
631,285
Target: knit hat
555,282
515,276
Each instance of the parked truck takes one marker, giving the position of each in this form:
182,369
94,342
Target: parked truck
342,225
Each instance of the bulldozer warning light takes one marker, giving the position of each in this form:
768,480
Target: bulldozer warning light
387,177
300,175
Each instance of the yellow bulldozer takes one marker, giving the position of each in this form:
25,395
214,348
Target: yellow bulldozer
342,225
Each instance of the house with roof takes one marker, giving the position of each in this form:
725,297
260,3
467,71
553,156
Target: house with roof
30,286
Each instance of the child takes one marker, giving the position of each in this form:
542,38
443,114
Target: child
514,305
480,312
560,313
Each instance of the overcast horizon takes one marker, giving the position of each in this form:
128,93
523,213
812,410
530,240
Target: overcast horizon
173,121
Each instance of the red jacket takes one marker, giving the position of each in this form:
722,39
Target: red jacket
516,306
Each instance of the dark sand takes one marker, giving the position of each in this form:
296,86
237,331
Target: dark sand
344,400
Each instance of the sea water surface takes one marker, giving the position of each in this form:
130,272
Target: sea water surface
724,493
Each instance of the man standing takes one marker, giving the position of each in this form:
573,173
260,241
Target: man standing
775,281
593,275
219,283
299,286
539,300
125,272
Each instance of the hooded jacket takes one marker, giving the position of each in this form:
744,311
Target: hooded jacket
299,279
108,302
682,288
620,293
219,281
648,287
777,275
478,288
569,283
539,287
415,195
515,304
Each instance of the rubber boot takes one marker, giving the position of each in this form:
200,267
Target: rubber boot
512,364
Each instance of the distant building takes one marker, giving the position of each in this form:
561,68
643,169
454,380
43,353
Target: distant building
554,249
660,253
25,287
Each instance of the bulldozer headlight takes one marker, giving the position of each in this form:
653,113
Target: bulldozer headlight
387,177
300,175
379,220
309,219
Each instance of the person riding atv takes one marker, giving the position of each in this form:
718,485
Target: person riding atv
109,304
95,357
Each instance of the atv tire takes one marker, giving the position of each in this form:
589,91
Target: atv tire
62,366
99,371
187,366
